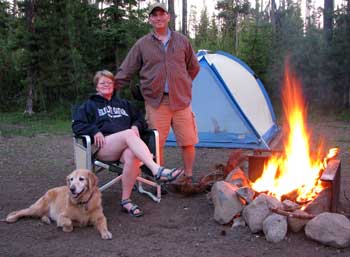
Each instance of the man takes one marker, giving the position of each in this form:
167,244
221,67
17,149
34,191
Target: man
166,64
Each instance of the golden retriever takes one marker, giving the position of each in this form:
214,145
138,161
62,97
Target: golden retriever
77,204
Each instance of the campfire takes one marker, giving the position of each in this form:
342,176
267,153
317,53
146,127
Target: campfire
295,173
290,189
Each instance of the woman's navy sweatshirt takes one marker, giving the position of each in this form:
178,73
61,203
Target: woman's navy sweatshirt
106,116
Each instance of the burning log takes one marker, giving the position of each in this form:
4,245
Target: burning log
292,214
292,196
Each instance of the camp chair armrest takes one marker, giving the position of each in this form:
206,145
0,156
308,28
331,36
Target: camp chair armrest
151,139
86,138
82,151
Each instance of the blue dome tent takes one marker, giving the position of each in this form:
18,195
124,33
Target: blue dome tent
231,105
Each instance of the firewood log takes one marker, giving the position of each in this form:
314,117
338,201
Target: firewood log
292,215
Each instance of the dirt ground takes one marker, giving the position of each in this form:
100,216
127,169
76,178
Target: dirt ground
177,226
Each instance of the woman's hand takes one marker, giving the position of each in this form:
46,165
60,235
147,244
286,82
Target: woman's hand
99,139
136,130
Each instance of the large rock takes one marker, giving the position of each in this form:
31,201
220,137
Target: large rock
297,224
331,229
322,203
237,177
238,222
246,194
226,202
255,213
275,228
290,205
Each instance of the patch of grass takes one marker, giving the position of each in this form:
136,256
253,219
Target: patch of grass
19,124
344,115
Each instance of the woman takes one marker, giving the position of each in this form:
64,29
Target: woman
114,126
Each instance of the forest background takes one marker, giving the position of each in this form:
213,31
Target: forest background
50,50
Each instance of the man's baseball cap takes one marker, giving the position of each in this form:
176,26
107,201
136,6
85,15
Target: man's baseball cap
157,5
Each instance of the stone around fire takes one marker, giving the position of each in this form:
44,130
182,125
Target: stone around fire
297,224
237,177
275,228
256,212
226,202
331,229
321,204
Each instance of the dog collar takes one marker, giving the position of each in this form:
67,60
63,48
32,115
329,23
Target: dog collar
85,204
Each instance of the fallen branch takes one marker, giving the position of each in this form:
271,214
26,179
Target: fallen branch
292,215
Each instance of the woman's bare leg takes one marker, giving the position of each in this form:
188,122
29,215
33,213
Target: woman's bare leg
131,170
116,143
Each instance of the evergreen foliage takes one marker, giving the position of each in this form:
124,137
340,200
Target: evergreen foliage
67,43
264,36
50,50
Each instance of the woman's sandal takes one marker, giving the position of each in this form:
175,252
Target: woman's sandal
134,211
171,176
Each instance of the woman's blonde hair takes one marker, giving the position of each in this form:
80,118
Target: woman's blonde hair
103,73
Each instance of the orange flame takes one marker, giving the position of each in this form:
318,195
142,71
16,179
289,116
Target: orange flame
296,171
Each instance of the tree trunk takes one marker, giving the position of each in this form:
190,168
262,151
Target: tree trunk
171,10
14,8
346,97
184,17
116,19
235,36
273,14
30,15
347,86
328,20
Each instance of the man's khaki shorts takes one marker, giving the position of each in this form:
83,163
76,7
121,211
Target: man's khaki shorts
182,122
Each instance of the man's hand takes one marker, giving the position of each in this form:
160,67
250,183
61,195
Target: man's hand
99,139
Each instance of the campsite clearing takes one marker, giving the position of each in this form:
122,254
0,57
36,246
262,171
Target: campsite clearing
178,226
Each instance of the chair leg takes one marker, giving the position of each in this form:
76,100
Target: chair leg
141,190
110,183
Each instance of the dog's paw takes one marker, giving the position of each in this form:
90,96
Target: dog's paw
67,228
106,235
12,217
46,219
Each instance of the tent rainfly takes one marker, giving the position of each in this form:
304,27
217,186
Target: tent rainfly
231,105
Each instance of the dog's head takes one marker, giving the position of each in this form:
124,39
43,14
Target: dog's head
80,182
